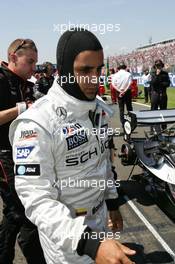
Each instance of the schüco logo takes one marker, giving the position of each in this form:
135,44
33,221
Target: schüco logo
84,157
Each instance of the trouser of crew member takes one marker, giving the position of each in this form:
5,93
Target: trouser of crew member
113,95
147,94
14,221
159,101
126,99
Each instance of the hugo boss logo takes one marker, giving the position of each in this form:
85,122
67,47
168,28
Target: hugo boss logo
76,140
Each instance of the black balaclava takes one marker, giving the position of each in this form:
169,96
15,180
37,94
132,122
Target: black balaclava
71,43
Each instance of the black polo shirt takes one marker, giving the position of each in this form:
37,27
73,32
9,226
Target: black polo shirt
44,84
13,89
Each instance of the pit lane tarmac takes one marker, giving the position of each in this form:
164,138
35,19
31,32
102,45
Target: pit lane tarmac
147,229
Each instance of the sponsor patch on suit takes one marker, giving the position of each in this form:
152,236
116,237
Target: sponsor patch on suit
27,169
76,140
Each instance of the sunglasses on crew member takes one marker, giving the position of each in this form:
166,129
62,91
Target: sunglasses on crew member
23,42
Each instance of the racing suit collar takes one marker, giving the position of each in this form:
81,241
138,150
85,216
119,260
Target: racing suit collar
74,105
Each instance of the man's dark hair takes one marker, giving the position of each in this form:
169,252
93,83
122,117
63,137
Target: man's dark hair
158,64
122,66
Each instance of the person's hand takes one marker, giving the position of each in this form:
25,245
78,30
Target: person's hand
112,252
29,103
158,71
115,222
121,94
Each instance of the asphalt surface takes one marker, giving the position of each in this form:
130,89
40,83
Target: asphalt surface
146,227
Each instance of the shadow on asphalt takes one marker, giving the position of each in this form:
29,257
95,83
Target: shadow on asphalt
134,190
153,257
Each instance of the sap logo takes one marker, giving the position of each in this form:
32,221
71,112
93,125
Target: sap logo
28,169
82,158
24,152
76,140
28,134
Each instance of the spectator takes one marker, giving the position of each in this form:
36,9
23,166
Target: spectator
145,57
112,88
146,83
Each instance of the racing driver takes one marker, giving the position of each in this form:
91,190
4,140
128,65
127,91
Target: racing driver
60,161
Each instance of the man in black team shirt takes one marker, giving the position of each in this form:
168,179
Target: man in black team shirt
15,97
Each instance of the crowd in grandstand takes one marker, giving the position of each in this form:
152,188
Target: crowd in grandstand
144,57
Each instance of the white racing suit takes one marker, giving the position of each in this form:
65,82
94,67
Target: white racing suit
62,170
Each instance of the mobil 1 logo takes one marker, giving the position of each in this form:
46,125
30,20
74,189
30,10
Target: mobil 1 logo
27,169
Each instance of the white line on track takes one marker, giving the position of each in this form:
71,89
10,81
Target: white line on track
151,228
141,104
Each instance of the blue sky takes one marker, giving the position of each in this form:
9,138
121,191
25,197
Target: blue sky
41,21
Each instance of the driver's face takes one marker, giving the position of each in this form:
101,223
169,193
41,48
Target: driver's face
87,69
